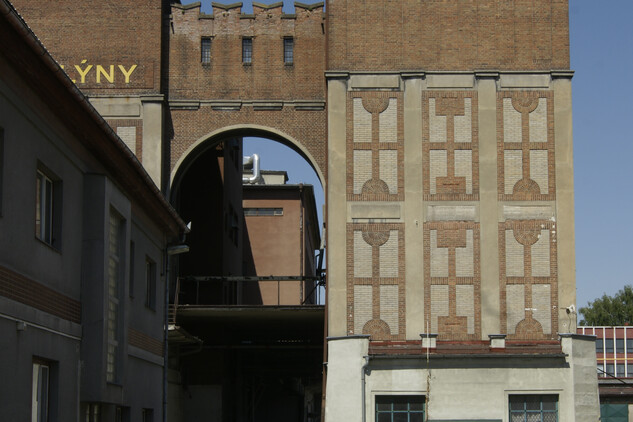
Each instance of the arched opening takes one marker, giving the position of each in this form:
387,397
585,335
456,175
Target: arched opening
246,334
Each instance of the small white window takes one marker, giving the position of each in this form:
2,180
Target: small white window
41,387
48,209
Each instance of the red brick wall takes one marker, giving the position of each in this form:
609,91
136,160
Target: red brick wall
103,33
307,127
267,77
448,35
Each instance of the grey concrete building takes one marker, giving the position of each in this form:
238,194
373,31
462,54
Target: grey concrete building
83,238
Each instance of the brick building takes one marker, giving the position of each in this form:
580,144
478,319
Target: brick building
614,363
442,134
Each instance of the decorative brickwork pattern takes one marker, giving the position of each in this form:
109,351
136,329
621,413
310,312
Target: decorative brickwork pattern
528,294
375,287
131,132
145,342
450,142
29,292
452,280
376,144
525,139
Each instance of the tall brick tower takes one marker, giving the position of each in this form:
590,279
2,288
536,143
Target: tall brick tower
452,122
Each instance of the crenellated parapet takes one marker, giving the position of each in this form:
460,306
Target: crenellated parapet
266,54
234,10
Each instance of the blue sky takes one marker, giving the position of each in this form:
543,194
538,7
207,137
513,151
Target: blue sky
602,56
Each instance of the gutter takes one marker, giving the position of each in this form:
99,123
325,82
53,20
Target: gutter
363,386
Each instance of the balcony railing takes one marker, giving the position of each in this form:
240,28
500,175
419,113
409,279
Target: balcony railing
247,291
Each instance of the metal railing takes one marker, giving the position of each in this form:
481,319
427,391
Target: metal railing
240,291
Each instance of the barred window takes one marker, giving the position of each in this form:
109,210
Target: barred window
263,211
399,408
534,408
205,50
288,50
247,50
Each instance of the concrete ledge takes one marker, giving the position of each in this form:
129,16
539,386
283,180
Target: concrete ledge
574,336
353,337
145,355
451,81
31,318
309,7
267,105
524,81
184,105
375,81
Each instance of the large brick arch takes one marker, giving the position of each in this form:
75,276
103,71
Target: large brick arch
240,131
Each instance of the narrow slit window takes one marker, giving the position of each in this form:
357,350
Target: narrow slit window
48,201
205,50
150,284
247,50
288,50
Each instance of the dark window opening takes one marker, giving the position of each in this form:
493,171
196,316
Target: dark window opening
205,50
247,50
263,212
48,200
288,50
150,284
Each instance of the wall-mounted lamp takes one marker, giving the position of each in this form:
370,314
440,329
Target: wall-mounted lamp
177,249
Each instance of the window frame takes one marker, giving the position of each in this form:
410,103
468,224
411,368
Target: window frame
247,51
147,415
288,51
392,400
263,211
40,412
206,43
48,194
132,268
150,283
525,411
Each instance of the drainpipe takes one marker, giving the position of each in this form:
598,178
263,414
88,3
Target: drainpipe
256,177
362,377
301,245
